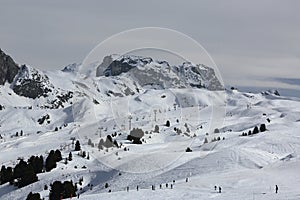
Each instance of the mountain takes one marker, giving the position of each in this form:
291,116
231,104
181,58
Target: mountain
159,74
8,68
183,131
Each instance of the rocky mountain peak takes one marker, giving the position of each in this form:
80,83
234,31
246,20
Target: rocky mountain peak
8,68
159,74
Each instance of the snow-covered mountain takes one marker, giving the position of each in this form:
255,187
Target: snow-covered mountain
136,120
159,74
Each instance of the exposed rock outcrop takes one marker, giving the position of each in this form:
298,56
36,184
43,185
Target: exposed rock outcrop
8,68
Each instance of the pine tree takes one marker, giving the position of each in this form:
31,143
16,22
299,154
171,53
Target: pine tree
68,189
6,175
249,132
19,169
27,177
255,130
262,128
168,123
50,161
57,155
62,190
70,156
156,129
108,142
83,154
90,142
33,196
56,190
116,143
77,146
37,163
101,143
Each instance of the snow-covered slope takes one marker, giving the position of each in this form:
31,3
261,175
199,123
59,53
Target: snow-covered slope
211,123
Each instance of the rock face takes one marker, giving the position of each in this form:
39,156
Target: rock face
8,68
30,83
155,74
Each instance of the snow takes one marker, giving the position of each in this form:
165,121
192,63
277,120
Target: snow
245,167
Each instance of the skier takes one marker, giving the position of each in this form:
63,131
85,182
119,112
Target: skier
215,188
171,186
127,188
137,188
160,186
166,185
220,189
276,189
187,180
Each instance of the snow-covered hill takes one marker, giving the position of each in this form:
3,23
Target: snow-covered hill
173,117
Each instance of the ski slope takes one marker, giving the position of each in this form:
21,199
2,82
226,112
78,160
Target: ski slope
245,167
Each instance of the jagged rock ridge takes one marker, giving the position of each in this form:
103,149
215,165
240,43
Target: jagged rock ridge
159,74
8,68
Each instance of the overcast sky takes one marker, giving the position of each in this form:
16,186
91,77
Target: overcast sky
254,43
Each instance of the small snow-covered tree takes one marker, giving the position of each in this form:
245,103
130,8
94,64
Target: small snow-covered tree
90,142
188,149
216,130
156,129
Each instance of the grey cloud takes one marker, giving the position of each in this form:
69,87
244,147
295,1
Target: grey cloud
243,37
291,81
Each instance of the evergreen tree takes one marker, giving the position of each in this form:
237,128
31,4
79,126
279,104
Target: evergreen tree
108,142
101,143
70,156
57,155
37,163
19,169
255,130
90,142
205,141
262,128
116,144
6,175
50,161
168,123
56,191
156,129
83,154
61,190
33,196
28,177
68,189
77,146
